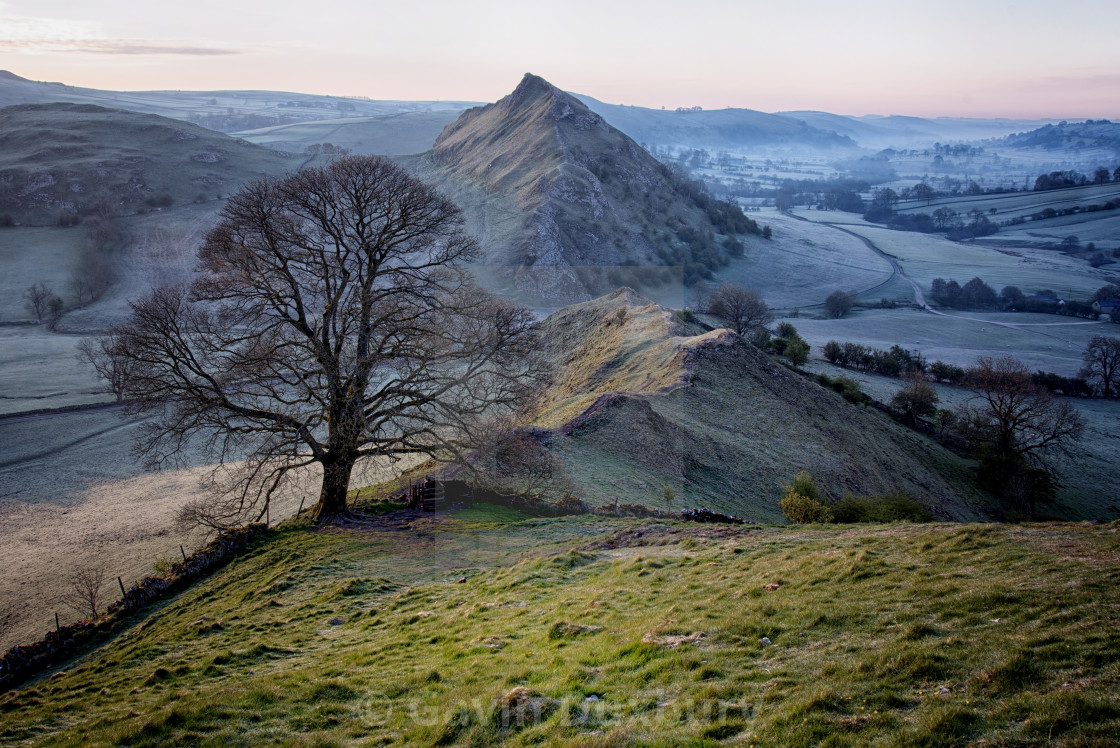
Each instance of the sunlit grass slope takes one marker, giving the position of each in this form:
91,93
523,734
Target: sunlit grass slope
642,401
599,632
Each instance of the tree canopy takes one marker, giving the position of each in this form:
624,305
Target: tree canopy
332,322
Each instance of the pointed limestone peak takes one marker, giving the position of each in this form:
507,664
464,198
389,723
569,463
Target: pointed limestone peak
532,88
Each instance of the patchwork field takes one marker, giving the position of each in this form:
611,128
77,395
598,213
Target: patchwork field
1042,341
385,135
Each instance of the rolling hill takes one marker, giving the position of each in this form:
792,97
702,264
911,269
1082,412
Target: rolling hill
566,206
226,111
1091,135
895,131
483,628
720,128
75,159
643,401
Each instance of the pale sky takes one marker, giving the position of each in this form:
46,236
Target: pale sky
982,58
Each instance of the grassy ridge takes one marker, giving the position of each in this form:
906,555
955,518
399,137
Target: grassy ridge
616,632
641,401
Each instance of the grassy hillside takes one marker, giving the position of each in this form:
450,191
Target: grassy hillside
384,135
641,402
72,160
471,629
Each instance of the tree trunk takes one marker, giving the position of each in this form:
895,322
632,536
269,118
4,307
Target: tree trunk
332,504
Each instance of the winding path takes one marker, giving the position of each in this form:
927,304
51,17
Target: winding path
919,296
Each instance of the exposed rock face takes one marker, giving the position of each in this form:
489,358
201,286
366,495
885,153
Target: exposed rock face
594,205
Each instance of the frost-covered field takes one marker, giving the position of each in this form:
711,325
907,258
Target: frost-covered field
39,369
1041,341
804,262
926,256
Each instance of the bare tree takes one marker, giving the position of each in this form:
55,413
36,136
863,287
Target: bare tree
112,369
37,300
54,311
1015,424
83,590
918,399
1102,364
513,460
742,307
838,304
332,323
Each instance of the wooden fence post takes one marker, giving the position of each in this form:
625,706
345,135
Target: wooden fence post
57,627
123,593
183,552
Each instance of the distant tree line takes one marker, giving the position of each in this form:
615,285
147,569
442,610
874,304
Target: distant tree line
1099,377
947,220
976,295
1057,180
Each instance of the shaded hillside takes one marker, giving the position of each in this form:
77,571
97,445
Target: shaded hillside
642,401
720,128
580,205
1090,134
383,135
226,111
61,160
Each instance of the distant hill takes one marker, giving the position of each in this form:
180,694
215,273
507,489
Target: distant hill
61,160
642,401
719,128
1088,135
225,111
873,131
567,206
383,135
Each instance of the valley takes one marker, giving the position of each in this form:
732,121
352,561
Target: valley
614,224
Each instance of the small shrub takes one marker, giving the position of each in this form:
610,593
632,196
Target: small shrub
6,220
896,507
686,315
801,503
850,389
801,510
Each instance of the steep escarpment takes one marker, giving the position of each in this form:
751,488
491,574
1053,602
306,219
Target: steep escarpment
641,402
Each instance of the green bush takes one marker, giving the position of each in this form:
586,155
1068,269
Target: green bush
801,510
896,507
686,315
801,503
848,388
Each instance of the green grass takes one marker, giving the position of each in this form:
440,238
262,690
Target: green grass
886,635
